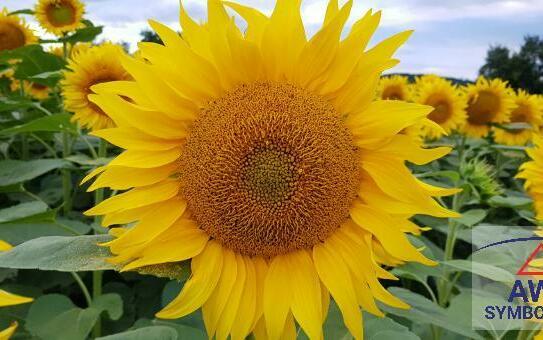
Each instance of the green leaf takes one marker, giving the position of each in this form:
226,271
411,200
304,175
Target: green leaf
14,103
18,232
22,11
112,303
55,317
509,202
426,312
485,270
14,171
34,61
54,123
50,78
22,210
86,34
376,328
472,217
69,254
184,332
145,333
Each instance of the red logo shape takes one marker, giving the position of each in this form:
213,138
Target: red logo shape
522,270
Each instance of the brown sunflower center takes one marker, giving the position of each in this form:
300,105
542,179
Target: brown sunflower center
60,13
393,92
269,168
11,37
483,108
442,109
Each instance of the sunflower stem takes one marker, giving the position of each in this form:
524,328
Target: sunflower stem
97,276
66,175
83,287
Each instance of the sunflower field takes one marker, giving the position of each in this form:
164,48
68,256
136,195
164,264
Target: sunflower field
254,182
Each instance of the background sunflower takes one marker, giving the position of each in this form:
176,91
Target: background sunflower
14,32
59,16
527,110
86,68
448,102
489,101
394,87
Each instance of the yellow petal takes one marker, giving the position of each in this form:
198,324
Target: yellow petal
93,174
243,323
126,114
306,303
128,215
123,88
146,159
261,270
4,246
150,226
159,93
186,244
8,332
9,299
131,138
369,126
335,276
404,147
383,227
331,11
349,53
320,51
214,306
277,297
256,21
136,198
230,311
206,270
283,39
196,35
123,178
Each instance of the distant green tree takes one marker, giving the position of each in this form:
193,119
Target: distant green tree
523,69
150,36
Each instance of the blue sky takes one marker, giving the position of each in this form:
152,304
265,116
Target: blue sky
450,39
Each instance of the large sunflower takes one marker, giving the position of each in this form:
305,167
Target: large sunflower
449,105
261,157
532,172
489,101
527,110
394,88
59,16
14,32
88,67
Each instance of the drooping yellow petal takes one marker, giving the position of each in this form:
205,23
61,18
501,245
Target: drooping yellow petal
230,311
385,230
335,275
243,322
4,246
368,126
277,297
150,226
306,302
214,306
8,332
206,270
183,245
404,147
9,299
